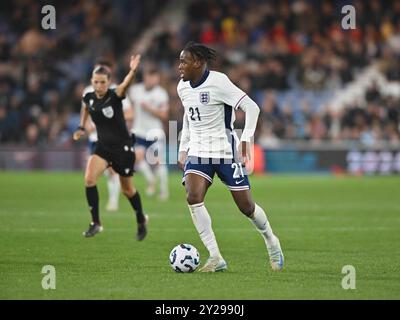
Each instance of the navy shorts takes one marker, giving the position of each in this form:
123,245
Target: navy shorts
232,173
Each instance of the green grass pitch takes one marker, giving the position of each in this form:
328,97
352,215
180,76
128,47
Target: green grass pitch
324,223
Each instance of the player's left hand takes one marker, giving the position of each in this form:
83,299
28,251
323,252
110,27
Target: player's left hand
135,59
244,152
181,159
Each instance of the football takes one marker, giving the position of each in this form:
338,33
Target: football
184,258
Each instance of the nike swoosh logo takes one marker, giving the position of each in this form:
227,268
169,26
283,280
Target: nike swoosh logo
237,182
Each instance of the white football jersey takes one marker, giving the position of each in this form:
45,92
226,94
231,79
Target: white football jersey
210,109
144,122
125,104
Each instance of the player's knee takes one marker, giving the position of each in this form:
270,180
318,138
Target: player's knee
128,191
90,181
247,208
194,197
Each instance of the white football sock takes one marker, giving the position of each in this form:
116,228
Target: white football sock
162,173
114,188
202,222
261,223
144,168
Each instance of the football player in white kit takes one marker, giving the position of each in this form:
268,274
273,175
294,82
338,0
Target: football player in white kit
113,185
151,105
209,145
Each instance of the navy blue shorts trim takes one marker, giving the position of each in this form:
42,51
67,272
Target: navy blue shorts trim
231,173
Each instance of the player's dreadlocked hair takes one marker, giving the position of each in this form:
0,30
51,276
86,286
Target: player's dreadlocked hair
200,51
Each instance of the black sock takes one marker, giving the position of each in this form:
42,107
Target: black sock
137,206
92,197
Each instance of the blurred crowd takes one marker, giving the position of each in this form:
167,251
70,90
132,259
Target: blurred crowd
43,72
289,56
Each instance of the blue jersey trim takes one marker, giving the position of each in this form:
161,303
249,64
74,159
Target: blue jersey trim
202,79
228,126
228,116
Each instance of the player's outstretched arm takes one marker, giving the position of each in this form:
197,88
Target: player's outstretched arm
134,63
81,129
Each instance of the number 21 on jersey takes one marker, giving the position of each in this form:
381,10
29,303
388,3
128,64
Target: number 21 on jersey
192,113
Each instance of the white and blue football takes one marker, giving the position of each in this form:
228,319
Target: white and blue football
184,258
